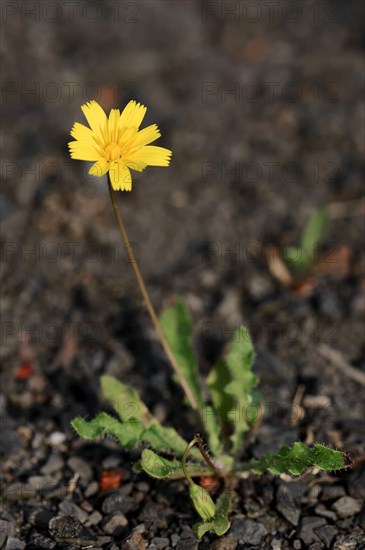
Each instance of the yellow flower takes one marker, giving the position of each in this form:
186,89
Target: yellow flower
116,144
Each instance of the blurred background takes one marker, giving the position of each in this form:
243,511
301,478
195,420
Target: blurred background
262,106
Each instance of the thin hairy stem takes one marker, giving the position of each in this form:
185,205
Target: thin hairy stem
148,303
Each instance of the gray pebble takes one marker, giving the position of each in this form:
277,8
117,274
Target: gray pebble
69,508
288,501
247,531
327,534
306,531
61,527
224,543
94,519
54,464
79,466
118,502
14,544
346,507
115,525
160,542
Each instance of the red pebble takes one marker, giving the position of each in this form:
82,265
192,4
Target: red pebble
209,483
110,479
24,371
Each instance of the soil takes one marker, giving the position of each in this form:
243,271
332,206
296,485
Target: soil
263,110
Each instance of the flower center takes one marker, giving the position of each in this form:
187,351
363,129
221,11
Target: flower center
112,152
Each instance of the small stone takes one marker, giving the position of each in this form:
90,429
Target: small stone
225,543
160,542
115,525
320,510
94,519
187,541
288,501
134,542
61,527
118,502
143,487
56,438
247,531
79,466
346,507
306,531
174,539
14,544
69,508
356,484
91,490
6,527
54,463
331,492
38,541
327,534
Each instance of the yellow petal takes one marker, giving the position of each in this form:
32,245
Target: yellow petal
113,121
82,133
100,168
139,166
132,115
147,135
151,155
83,151
120,177
95,116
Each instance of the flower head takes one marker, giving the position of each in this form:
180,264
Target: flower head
116,144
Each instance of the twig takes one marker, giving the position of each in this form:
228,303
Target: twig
338,360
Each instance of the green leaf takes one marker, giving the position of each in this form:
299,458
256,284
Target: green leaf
217,380
220,523
177,328
129,405
212,424
239,363
162,438
125,400
298,458
162,468
313,232
304,256
128,434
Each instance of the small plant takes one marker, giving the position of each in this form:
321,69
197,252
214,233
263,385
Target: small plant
303,257
116,144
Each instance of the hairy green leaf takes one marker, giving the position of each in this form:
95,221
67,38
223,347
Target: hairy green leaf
128,433
217,380
162,468
220,523
212,426
125,400
298,458
177,327
304,256
129,405
239,363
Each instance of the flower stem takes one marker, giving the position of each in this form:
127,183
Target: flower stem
148,303
197,439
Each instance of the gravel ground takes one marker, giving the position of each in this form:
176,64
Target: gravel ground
263,109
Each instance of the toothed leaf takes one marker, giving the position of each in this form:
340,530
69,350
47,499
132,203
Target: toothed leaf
296,459
211,424
220,523
129,405
177,327
162,468
128,434
125,400
217,380
239,363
